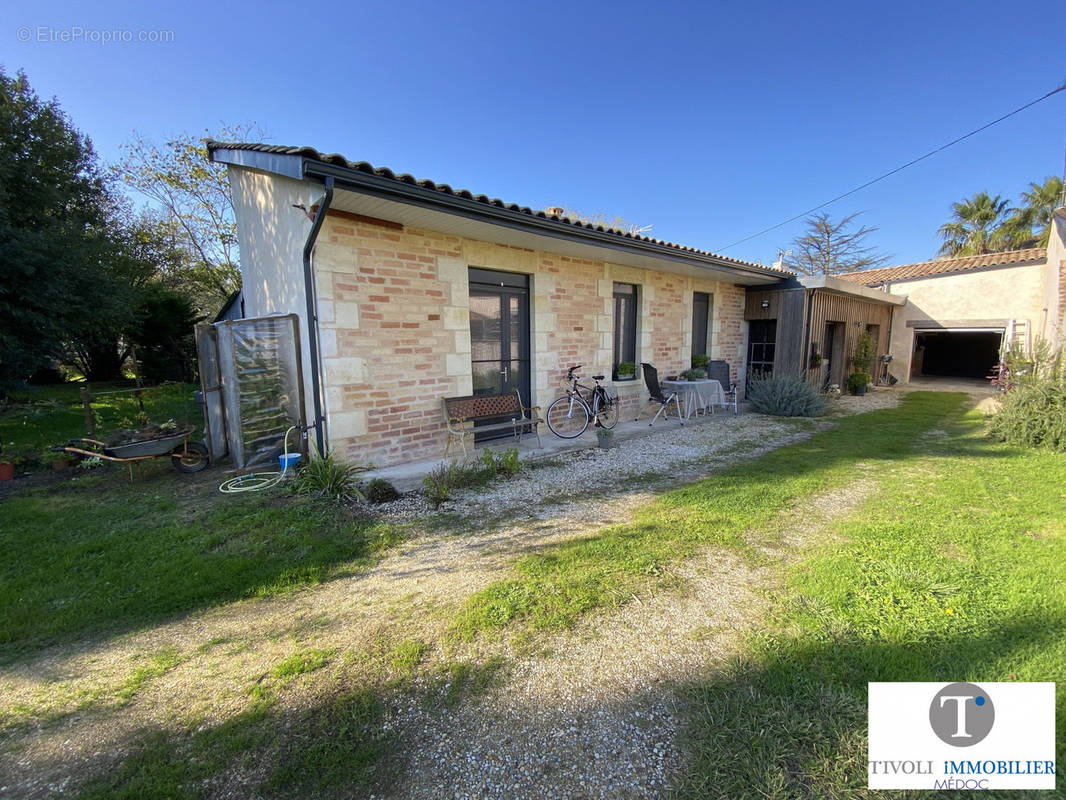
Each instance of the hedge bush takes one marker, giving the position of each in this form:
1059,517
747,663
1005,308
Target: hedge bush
1033,413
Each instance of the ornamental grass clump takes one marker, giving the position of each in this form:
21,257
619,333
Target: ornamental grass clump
329,479
785,396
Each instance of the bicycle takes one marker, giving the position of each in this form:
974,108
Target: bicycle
569,415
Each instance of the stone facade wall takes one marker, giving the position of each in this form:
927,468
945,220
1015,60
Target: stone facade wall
395,335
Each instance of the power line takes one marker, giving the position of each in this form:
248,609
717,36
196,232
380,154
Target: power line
892,172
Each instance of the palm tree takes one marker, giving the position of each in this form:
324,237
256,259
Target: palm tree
971,231
1040,204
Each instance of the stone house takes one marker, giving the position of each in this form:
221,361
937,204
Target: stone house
409,291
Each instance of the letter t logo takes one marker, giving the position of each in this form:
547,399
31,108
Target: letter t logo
960,713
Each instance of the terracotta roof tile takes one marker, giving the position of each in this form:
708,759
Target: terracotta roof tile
384,172
941,266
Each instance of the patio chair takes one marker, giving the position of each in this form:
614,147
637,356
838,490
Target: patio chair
655,395
719,371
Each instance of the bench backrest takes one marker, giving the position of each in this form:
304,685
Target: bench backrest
482,405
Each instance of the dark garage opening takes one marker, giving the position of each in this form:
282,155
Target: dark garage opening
956,354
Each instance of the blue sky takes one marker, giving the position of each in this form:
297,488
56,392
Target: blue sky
709,121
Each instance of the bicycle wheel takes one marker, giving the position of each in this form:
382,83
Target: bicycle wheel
567,417
606,411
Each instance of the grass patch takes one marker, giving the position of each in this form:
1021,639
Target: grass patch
954,573
302,662
158,664
76,560
460,680
338,745
553,589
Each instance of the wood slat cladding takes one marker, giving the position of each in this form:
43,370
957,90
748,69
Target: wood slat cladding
855,316
790,308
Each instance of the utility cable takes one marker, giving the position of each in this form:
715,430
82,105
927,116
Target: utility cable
893,172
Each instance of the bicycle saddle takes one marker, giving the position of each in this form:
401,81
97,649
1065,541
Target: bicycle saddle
597,377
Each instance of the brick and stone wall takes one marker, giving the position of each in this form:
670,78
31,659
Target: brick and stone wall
395,335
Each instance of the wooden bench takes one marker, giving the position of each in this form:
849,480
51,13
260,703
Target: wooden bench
461,414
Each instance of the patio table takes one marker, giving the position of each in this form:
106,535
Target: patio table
696,396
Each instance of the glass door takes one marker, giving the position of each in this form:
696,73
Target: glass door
762,338
499,332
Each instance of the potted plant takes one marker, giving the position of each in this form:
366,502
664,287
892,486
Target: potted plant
7,466
815,360
605,438
625,371
694,374
59,461
858,381
863,358
700,361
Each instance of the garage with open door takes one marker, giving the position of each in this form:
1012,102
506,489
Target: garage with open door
956,352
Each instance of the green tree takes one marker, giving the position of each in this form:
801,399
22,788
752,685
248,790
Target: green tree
54,233
192,209
1030,225
830,248
975,227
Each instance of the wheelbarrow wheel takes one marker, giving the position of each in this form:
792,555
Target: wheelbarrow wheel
190,457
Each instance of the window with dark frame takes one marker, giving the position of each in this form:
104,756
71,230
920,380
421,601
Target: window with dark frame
701,321
625,323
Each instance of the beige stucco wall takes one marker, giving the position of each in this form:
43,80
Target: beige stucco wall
998,293
271,234
1055,281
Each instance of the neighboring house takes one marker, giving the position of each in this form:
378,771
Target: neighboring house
416,291
960,312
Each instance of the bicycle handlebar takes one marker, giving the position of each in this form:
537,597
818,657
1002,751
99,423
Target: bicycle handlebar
574,369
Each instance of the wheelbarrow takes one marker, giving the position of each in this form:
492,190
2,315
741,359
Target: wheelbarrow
186,456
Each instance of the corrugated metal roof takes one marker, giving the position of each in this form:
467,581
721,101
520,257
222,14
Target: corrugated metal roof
336,159
876,277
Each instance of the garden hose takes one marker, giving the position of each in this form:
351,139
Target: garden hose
258,481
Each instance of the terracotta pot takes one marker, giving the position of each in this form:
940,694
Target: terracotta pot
7,471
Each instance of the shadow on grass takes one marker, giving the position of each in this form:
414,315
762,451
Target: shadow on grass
793,726
793,723
342,743
99,556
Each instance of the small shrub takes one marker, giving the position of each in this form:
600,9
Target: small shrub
438,489
865,350
785,396
481,472
1033,414
325,477
858,380
694,374
700,361
507,463
380,491
626,369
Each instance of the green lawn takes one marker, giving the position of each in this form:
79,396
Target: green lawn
953,572
950,570
97,555
42,416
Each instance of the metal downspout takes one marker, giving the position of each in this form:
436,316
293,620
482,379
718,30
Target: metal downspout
312,314
808,336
